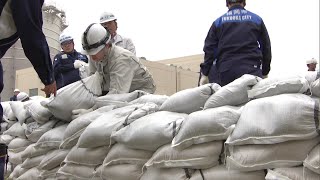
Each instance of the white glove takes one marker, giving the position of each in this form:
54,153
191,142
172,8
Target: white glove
77,64
79,112
204,80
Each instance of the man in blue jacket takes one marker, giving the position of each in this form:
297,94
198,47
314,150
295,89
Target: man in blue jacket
67,63
23,19
240,44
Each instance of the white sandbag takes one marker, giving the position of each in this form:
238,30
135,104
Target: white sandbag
122,172
312,162
234,93
126,97
15,158
32,151
265,156
18,144
19,110
293,173
99,131
49,174
6,139
154,98
78,125
53,159
207,125
87,156
7,111
167,174
78,95
200,156
30,174
4,126
141,110
78,172
278,85
315,88
151,131
18,171
277,119
222,173
10,123
35,130
190,100
38,112
121,154
32,162
52,138
16,130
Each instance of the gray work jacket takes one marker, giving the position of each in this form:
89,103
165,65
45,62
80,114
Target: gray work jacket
122,72
124,42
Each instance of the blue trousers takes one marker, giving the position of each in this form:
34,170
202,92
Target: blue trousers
1,88
2,166
237,71
3,158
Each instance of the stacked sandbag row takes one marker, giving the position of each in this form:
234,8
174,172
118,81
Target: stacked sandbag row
40,132
193,134
31,121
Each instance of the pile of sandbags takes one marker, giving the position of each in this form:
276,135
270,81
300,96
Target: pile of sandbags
252,128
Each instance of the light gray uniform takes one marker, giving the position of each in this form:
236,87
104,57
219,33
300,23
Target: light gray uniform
122,72
124,42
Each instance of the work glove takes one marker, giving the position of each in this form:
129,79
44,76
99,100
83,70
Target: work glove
79,112
77,64
204,80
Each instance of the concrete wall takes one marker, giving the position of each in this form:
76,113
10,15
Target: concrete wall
27,79
187,62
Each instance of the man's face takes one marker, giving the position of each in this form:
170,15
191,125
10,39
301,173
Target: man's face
67,46
312,67
99,56
111,26
16,93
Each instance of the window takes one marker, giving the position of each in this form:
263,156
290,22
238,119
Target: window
33,92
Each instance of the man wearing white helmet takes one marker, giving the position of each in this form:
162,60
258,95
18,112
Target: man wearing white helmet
312,64
109,21
22,96
121,69
67,63
15,94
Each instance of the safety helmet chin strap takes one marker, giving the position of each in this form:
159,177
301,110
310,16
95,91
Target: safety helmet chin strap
87,46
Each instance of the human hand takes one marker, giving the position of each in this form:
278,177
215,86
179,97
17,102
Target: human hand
204,80
77,64
79,112
50,89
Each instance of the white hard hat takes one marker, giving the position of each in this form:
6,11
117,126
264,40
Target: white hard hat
22,96
64,37
311,61
16,90
107,17
94,39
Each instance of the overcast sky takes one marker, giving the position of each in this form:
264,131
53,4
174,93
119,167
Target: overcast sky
175,28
